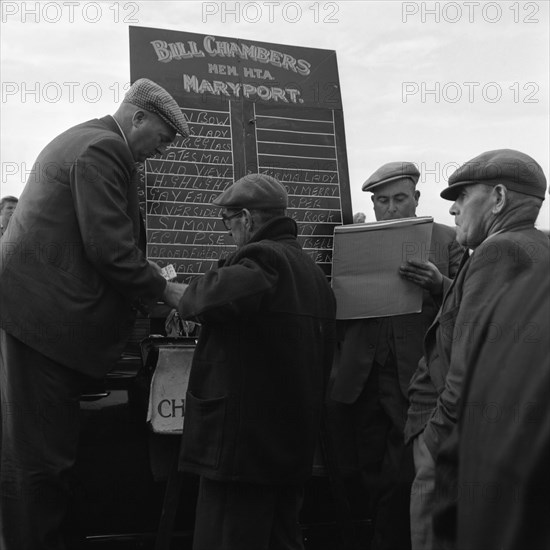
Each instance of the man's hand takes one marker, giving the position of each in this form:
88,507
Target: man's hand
173,293
168,272
424,274
155,266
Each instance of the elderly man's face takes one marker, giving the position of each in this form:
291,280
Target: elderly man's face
150,136
395,200
237,221
473,214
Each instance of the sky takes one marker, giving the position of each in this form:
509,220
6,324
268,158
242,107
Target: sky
434,83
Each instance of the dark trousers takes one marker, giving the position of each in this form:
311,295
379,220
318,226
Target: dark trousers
374,465
246,516
39,436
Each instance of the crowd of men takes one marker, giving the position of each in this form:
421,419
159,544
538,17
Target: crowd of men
409,399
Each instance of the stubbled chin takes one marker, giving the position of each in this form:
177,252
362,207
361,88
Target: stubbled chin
460,238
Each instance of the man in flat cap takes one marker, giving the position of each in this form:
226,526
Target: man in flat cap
72,272
497,197
375,361
258,378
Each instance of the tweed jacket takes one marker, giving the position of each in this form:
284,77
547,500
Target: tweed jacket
436,387
70,265
357,350
259,372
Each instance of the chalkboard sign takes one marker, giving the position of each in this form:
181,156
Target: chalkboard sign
251,107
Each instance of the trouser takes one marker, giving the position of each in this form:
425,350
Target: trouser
422,497
375,466
246,516
39,437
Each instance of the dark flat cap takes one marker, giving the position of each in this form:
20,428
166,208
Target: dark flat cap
515,170
392,171
254,191
148,95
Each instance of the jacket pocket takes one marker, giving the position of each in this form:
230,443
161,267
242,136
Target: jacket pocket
203,430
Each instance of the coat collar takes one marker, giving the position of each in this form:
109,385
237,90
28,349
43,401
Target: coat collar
281,228
110,122
276,229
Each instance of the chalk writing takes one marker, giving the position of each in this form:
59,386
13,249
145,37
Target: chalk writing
181,181
250,107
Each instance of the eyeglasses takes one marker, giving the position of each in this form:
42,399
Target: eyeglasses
226,219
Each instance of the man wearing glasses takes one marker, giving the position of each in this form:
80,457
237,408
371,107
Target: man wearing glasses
258,378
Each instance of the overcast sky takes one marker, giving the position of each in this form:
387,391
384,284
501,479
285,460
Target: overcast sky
435,83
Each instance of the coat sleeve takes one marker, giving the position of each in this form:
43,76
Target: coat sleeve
100,181
491,266
231,291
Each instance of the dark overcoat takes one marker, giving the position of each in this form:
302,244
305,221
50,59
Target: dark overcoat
498,454
436,387
258,377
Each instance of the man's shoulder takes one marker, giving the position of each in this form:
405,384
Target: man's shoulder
526,238
93,125
288,250
94,129
100,133
509,253
281,252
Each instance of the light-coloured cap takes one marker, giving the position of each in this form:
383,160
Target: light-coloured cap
148,95
392,171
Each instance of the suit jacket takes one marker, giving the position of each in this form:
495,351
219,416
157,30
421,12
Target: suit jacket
70,265
259,372
436,387
357,349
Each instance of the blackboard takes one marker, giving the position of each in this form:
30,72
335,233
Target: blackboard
251,107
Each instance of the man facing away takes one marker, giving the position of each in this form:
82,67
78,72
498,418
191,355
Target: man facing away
374,364
72,271
258,377
7,208
497,197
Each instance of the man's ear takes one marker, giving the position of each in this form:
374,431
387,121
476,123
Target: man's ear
138,118
416,196
372,198
248,219
500,197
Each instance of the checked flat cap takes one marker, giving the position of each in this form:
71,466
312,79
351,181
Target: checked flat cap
513,169
392,171
148,95
254,191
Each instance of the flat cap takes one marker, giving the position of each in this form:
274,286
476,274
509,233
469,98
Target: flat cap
516,170
254,191
148,95
392,171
